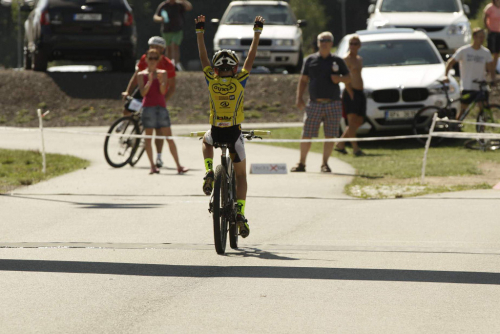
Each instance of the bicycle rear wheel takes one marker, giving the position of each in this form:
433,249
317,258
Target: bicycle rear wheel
423,120
220,205
489,115
136,156
233,229
119,147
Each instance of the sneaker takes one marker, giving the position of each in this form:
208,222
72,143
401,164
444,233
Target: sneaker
359,154
208,183
340,150
159,163
298,168
325,169
243,225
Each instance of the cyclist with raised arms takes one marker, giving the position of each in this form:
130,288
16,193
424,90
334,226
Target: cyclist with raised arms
227,88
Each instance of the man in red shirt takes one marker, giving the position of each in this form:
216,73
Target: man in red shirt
159,44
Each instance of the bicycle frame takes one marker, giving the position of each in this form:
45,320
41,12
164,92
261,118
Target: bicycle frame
227,163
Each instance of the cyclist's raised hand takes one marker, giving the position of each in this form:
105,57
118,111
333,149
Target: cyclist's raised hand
259,24
200,22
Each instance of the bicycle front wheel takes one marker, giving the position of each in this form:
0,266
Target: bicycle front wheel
118,145
233,229
141,148
489,115
220,205
422,123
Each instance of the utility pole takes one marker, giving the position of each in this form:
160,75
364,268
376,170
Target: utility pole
19,37
344,18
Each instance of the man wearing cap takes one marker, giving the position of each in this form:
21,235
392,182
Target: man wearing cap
157,43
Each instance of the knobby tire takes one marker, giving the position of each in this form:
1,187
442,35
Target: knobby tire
219,205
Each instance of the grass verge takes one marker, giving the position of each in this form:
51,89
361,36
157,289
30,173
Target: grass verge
23,168
393,168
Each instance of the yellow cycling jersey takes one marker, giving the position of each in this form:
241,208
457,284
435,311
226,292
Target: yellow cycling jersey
226,98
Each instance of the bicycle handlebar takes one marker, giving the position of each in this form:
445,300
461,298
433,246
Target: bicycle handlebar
247,133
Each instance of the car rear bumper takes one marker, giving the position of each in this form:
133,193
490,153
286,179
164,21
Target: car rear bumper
87,47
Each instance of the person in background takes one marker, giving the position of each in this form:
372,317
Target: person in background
475,60
153,85
157,43
170,14
322,72
492,24
353,97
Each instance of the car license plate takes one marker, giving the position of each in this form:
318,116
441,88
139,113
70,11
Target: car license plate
260,54
400,114
88,17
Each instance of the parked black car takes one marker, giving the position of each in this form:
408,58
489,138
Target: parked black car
79,30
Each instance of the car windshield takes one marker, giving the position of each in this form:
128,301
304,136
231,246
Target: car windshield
433,6
398,53
273,14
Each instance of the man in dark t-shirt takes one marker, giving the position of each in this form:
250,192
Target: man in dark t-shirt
322,72
170,14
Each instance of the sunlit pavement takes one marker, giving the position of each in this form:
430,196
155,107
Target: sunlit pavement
108,250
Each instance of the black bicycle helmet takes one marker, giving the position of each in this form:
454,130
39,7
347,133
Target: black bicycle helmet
225,60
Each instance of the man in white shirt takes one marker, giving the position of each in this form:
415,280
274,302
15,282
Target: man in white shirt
475,60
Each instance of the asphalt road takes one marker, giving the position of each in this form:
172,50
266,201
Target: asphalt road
106,250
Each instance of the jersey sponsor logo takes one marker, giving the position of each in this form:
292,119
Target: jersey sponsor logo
224,89
224,98
224,118
223,124
232,97
224,105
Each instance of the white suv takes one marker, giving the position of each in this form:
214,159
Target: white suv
281,41
401,74
444,21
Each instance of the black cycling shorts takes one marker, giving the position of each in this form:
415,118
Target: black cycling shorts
232,136
354,106
494,42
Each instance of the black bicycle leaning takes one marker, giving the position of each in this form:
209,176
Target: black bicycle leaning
488,113
223,201
120,147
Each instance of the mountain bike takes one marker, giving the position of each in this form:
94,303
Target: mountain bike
222,204
119,147
488,113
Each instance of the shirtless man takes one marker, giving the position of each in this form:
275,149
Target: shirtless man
353,98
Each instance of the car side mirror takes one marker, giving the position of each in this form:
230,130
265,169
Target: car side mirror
466,9
302,23
371,9
215,22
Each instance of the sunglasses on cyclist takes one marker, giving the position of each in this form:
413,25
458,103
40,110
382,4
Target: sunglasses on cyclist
355,43
325,40
153,58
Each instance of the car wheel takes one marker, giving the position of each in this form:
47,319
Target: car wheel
40,61
27,60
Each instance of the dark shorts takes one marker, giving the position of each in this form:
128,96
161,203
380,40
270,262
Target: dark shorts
355,106
468,96
155,117
230,135
329,113
494,42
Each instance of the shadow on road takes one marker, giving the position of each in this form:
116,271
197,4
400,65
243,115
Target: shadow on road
96,205
258,253
158,270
